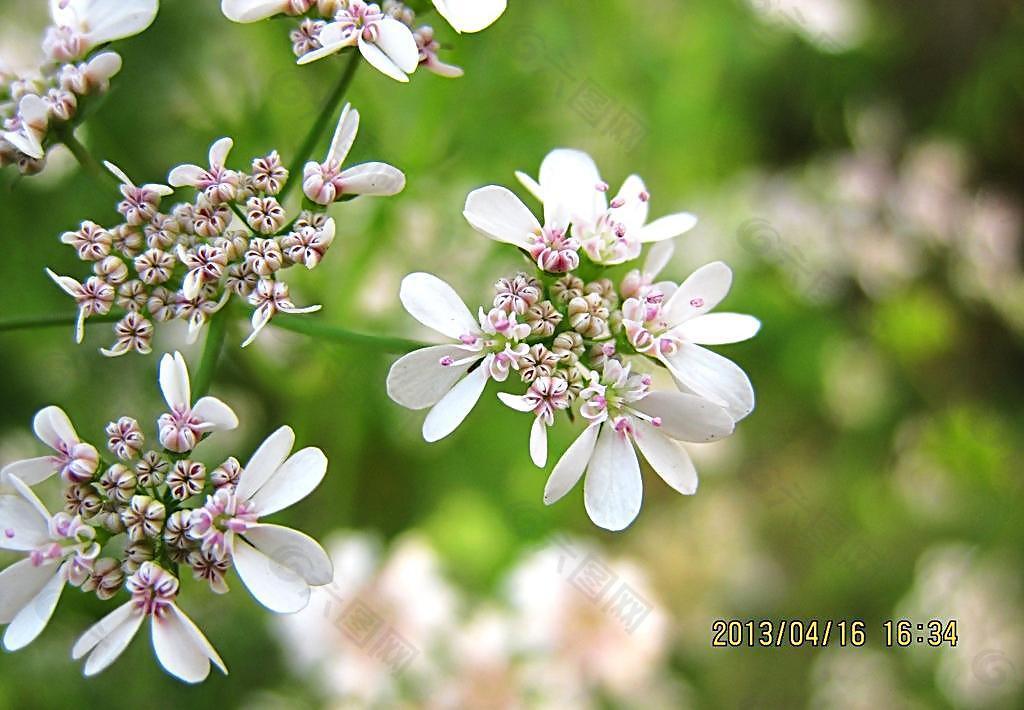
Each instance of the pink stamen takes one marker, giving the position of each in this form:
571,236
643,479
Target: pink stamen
656,421
645,196
617,203
447,361
697,302
602,187
9,533
469,339
608,349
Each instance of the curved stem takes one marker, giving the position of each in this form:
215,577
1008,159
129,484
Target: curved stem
316,131
85,158
308,326
216,332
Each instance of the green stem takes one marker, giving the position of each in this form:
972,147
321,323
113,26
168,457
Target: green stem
216,332
314,329
84,157
320,125
31,322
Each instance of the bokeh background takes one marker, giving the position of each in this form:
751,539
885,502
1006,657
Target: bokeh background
859,163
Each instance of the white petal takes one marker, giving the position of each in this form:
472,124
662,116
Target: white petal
20,584
20,517
260,319
516,402
539,443
30,498
568,180
219,152
715,377
703,290
104,66
668,227
572,465
174,381
53,427
215,415
107,20
455,406
687,417
329,47
380,61
668,459
34,616
30,471
613,489
181,648
271,584
344,135
397,41
295,479
33,110
26,142
531,185
67,284
295,551
719,329
372,179
251,10
185,175
108,639
118,173
470,15
419,380
267,459
633,213
658,258
435,304
497,213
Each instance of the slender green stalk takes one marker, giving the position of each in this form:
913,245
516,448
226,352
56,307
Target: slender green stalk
216,331
85,158
316,131
34,322
305,325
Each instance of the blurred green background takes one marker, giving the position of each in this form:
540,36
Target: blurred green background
859,163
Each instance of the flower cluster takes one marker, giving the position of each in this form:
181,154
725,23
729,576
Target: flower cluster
582,341
37,109
134,520
234,239
388,36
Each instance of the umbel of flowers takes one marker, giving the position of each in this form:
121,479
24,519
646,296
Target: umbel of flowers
142,513
41,108
234,239
388,35
570,340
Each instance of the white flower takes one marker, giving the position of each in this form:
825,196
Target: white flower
84,24
180,646
326,182
140,203
33,119
74,460
183,427
545,396
610,232
278,565
672,323
470,15
625,413
271,297
60,550
488,347
387,44
217,183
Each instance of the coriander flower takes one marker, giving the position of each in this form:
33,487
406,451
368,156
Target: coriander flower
81,25
278,565
387,44
75,460
624,413
60,550
217,183
180,646
325,183
672,324
449,379
182,428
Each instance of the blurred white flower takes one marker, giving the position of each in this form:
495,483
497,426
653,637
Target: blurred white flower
81,25
180,646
